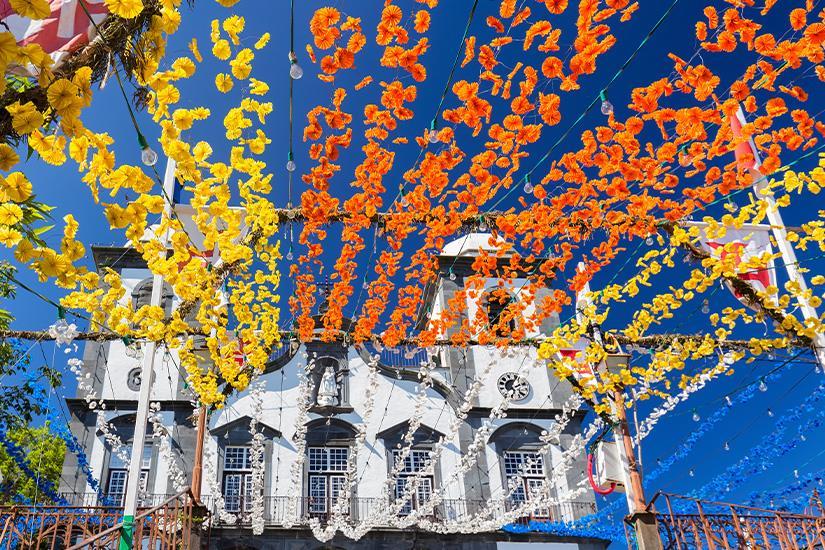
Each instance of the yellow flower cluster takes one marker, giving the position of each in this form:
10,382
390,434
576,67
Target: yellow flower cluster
652,375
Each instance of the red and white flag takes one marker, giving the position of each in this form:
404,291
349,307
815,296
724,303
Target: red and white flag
64,31
743,245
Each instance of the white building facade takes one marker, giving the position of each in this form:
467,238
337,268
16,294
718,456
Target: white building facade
364,406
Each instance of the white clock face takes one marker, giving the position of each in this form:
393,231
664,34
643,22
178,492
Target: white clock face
513,386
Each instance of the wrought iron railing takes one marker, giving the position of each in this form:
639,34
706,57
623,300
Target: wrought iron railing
686,524
281,510
78,525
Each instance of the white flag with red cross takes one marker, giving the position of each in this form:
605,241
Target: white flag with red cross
66,29
742,245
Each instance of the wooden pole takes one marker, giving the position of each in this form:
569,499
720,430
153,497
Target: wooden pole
197,466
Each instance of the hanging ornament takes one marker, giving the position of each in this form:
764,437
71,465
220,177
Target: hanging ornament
295,70
705,306
649,240
770,413
365,285
147,155
726,446
607,107
452,274
528,186
290,255
62,331
290,162
432,133
696,417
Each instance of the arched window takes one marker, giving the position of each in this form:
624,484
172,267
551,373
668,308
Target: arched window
142,296
415,464
116,473
236,463
500,317
330,444
524,468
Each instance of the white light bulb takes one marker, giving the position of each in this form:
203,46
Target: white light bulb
770,413
763,387
607,107
690,472
728,401
528,187
295,70
727,446
452,275
432,136
290,165
289,255
705,307
696,416
684,159
649,241
365,285
148,156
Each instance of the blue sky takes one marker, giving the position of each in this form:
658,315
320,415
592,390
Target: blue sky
744,426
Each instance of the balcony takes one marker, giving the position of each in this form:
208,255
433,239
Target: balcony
278,510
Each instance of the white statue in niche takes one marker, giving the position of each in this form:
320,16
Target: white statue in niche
328,390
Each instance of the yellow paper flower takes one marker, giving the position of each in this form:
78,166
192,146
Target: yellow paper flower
8,157
126,9
224,82
33,9
25,118
9,237
15,187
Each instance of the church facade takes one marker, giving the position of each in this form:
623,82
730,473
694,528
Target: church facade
336,422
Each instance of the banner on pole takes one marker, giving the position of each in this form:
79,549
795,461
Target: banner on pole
742,245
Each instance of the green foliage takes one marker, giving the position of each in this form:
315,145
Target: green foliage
44,454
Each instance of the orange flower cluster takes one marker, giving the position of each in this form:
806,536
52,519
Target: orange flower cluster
669,158
327,33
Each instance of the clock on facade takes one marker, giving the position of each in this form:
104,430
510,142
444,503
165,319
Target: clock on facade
511,385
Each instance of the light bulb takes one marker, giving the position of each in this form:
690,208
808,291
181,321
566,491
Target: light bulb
803,438
690,472
290,213
452,275
705,306
432,136
290,165
731,206
607,107
726,446
289,255
148,156
763,387
528,186
696,416
482,225
404,202
728,401
649,241
770,413
684,159
365,285
295,70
